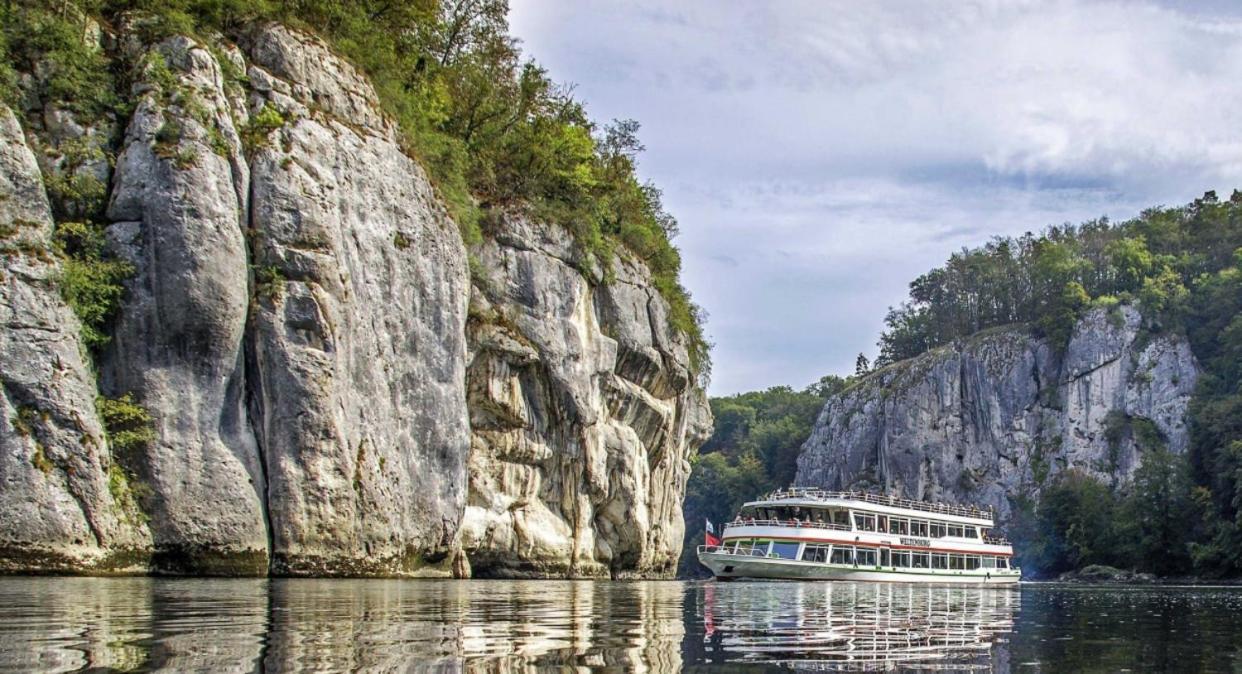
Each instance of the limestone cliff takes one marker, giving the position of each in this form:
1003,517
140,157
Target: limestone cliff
583,413
329,393
995,415
64,502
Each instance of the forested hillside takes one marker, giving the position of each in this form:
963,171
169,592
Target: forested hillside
1182,267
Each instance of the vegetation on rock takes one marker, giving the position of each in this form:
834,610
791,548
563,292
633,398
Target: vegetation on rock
90,282
127,423
1159,259
492,128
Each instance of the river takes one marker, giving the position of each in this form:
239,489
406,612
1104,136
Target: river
145,624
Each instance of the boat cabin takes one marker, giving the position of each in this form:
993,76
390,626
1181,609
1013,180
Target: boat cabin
851,519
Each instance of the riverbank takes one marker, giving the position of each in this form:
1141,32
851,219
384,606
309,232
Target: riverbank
1100,574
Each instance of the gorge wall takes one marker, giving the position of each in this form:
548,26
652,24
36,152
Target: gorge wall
331,390
993,416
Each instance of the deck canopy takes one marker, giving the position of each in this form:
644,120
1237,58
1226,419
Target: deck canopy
815,501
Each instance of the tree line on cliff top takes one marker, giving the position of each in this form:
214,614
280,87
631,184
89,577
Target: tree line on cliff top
493,129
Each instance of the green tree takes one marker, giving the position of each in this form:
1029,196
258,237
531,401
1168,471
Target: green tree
1160,511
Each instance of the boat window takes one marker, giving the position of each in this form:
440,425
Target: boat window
955,562
785,549
971,532
955,530
864,522
918,528
883,523
842,554
901,559
937,530
989,562
815,553
760,548
972,562
866,557
841,517
919,560
1002,563
940,561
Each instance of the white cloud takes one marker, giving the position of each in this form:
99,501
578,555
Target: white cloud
819,155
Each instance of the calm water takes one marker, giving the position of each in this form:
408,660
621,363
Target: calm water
96,624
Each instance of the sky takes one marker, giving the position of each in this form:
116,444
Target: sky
821,154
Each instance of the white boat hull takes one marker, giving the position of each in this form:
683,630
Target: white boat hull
727,566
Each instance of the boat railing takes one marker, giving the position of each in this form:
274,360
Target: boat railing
996,540
879,499
739,552
740,522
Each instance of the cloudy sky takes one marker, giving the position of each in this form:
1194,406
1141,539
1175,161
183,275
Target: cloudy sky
821,154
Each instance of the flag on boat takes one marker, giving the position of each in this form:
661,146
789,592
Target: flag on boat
709,536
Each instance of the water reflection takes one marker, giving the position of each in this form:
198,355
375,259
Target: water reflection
858,626
78,624
137,624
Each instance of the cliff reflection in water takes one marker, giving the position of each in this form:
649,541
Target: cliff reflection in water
145,624
868,626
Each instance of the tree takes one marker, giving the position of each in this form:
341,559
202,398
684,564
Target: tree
828,385
861,365
1160,512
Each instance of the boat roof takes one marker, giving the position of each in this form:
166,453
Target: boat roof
877,503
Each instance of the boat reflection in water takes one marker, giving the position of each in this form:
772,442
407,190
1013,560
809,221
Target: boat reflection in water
867,626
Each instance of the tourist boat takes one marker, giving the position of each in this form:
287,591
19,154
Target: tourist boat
811,534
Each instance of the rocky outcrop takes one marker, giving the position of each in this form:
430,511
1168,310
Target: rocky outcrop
996,415
64,503
583,412
358,340
179,212
329,393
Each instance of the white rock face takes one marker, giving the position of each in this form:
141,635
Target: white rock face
327,399
179,204
583,415
358,339
57,509
995,415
